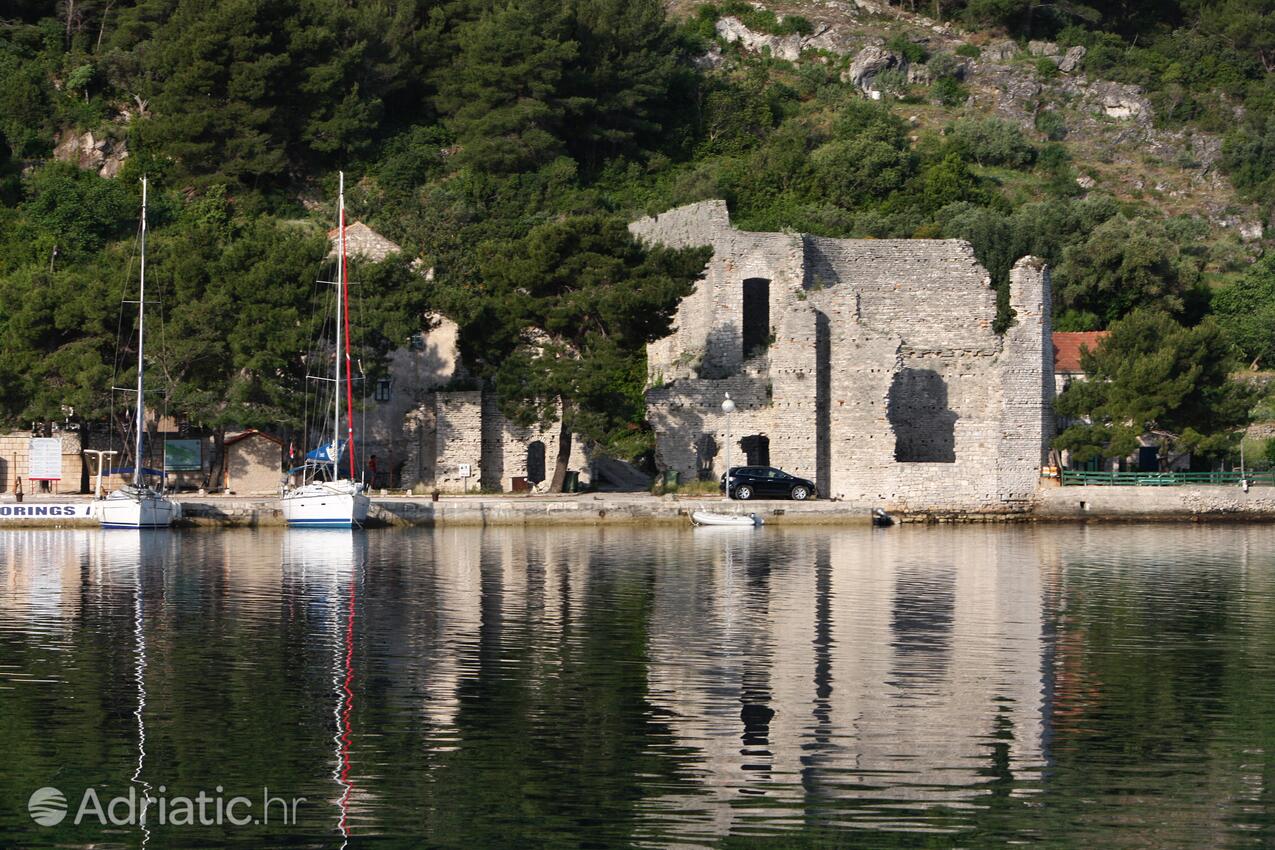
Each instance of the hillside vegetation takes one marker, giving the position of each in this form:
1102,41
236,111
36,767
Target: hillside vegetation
503,144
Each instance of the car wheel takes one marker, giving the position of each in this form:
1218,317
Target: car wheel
800,493
744,492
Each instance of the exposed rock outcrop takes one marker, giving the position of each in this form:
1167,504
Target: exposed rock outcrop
1071,59
780,46
868,65
1119,100
1000,52
105,156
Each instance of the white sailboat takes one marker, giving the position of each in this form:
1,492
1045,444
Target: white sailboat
323,499
138,505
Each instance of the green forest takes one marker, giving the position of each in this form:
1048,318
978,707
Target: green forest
506,144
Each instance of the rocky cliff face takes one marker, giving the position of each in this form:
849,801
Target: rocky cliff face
1110,127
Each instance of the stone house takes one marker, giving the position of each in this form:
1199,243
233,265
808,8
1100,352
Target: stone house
869,366
254,463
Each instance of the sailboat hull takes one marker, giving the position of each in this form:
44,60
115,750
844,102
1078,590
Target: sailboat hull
335,504
148,510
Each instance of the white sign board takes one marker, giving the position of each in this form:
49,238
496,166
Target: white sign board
464,470
45,459
46,510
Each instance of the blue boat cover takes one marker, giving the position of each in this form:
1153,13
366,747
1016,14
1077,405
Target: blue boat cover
323,455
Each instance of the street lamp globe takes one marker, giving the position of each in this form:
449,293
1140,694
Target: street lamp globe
728,406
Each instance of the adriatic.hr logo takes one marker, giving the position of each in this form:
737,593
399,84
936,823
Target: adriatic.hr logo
48,807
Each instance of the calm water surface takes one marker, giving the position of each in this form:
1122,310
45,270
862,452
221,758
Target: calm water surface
978,687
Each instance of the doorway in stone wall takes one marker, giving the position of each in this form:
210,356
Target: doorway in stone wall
705,452
756,448
756,318
536,462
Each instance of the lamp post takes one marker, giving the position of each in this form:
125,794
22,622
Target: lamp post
728,407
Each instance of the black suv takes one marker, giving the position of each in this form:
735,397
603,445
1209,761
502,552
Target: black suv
747,482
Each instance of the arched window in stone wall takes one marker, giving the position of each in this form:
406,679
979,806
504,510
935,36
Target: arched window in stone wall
756,316
924,427
536,462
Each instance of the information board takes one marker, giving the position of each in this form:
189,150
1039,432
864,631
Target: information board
182,456
44,456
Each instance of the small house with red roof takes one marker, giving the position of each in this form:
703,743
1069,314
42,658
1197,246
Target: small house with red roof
1067,350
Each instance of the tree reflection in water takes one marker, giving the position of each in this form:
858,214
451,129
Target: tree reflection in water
1076,686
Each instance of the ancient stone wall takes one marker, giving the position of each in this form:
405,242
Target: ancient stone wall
428,362
883,378
449,429
458,437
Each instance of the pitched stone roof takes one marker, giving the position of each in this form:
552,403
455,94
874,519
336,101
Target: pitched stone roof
1067,346
362,241
231,439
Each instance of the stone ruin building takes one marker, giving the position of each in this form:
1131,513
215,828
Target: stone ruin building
868,366
427,424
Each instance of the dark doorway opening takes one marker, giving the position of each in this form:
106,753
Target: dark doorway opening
536,462
756,449
705,451
756,321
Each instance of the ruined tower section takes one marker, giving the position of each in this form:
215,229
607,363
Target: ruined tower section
1027,377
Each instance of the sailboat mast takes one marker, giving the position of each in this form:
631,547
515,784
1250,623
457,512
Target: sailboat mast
141,337
349,364
340,288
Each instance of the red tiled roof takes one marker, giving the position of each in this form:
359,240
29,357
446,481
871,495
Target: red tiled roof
1067,348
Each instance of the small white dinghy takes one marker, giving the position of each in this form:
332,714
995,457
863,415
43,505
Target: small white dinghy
736,520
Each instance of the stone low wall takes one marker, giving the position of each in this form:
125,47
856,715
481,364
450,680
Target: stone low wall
1056,504
1202,504
589,509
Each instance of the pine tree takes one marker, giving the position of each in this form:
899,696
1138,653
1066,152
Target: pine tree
502,99
565,314
627,79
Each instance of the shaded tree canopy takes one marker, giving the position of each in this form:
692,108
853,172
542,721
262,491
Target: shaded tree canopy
1152,375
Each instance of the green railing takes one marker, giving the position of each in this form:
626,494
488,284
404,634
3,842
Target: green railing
1166,479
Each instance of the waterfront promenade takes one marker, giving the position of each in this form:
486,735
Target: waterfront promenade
1212,503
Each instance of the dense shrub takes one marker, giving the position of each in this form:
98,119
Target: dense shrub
907,48
1051,124
949,92
991,141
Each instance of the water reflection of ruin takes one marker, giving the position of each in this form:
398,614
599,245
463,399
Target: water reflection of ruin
880,675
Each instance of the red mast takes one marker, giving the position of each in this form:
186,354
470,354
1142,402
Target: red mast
349,378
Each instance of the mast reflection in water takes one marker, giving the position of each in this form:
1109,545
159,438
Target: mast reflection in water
1082,686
